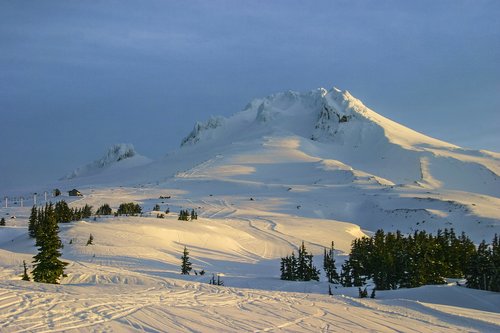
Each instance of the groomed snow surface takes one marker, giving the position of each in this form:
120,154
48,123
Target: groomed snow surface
291,167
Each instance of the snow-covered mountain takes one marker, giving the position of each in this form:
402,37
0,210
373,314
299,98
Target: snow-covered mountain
337,128
122,156
311,167
328,154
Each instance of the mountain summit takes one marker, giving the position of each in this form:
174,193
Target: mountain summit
332,125
321,115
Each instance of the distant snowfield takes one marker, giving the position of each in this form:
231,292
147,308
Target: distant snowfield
314,167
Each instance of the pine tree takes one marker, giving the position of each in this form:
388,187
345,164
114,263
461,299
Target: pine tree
33,222
329,265
306,270
47,266
63,212
186,264
345,274
25,274
2,222
86,211
156,207
90,241
495,259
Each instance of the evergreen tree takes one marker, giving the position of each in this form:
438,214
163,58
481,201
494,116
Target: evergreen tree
329,265
289,268
186,264
194,215
25,274
33,222
47,266
495,259
345,275
63,213
156,207
481,272
90,241
105,209
2,222
306,270
86,211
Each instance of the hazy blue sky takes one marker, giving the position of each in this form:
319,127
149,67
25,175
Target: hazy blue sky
79,76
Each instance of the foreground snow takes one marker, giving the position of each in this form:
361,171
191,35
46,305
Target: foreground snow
129,280
167,305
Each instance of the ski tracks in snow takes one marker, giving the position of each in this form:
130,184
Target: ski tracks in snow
170,305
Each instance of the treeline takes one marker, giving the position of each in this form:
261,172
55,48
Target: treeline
392,260
60,212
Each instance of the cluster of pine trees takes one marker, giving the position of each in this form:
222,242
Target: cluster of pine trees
129,209
300,267
215,282
483,266
184,215
394,261
47,266
105,209
65,214
62,214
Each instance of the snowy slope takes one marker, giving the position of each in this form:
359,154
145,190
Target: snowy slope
119,156
292,167
327,153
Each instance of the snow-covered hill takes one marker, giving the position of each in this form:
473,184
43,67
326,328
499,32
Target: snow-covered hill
314,167
119,156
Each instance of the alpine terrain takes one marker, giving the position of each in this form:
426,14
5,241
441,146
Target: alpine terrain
311,167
